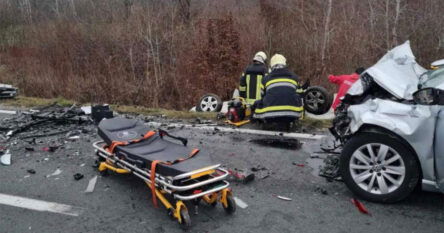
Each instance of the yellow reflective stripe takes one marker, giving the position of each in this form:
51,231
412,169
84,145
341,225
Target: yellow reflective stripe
281,80
279,108
202,174
248,84
299,90
258,87
250,101
242,88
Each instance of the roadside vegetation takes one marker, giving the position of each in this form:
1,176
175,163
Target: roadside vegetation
168,53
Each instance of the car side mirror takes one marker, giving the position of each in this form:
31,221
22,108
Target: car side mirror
429,96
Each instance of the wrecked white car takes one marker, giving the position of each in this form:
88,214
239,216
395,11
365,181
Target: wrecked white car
7,91
391,125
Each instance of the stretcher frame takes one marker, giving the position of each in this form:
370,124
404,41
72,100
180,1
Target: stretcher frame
164,185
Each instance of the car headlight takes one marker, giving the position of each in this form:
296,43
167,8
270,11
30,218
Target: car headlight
366,81
361,85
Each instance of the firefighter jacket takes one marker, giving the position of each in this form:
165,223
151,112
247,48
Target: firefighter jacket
280,95
250,83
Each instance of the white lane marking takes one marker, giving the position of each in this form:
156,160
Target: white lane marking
8,112
247,131
38,205
91,185
240,203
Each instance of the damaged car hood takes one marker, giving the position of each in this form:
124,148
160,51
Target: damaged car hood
397,72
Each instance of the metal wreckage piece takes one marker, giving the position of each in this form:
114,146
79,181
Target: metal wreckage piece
47,121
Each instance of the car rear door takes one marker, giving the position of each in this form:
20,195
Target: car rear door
439,150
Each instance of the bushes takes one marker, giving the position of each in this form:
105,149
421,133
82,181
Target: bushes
168,53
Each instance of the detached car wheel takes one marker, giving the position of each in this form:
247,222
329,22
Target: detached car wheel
209,103
317,100
379,168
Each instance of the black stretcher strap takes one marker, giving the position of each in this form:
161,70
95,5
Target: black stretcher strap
163,133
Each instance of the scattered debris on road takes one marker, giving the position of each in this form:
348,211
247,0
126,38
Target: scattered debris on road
298,164
283,198
73,138
5,159
78,176
50,148
31,171
243,176
261,172
360,206
55,173
278,142
240,203
98,112
321,190
330,169
91,185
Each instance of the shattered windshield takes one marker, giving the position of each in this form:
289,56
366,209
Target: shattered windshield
433,78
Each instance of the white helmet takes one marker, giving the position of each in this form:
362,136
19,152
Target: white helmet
278,59
260,57
438,64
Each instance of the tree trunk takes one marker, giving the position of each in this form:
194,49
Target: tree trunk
395,24
326,35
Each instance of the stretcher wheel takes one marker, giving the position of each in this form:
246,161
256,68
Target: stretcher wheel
104,172
231,205
186,220
170,212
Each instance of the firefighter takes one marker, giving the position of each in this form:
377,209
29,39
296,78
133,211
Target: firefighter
280,93
251,79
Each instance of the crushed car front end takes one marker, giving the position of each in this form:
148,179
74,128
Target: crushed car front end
387,139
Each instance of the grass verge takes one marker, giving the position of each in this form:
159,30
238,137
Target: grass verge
30,102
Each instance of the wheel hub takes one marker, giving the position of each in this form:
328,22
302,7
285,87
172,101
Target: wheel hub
377,167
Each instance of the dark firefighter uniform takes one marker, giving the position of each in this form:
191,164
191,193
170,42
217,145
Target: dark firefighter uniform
250,83
280,96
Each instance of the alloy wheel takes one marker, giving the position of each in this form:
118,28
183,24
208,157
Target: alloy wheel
314,99
377,168
208,104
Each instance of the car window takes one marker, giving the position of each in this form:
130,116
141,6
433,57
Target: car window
434,78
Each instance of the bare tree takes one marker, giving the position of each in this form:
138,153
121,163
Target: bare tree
395,23
185,10
326,34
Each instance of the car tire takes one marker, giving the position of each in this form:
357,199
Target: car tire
209,103
399,158
317,100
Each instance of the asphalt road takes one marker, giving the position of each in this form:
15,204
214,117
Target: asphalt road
122,203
